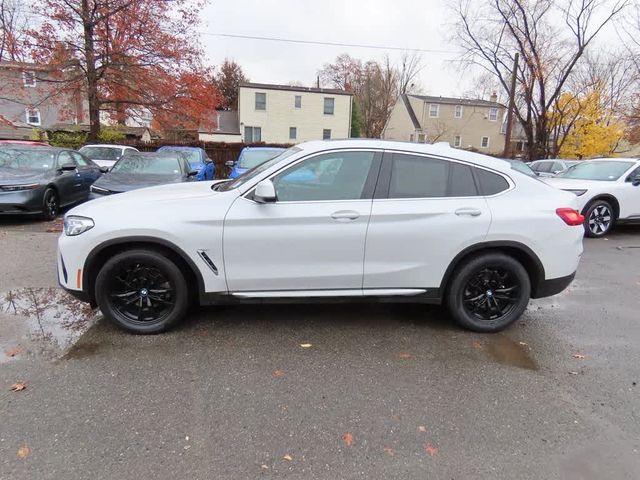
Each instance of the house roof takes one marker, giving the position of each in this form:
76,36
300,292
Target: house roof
225,123
83,127
23,65
14,130
457,101
267,86
412,114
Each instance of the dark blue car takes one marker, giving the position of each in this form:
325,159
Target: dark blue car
198,160
252,157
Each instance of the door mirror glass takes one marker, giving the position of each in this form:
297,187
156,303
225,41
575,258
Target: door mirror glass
104,169
265,192
192,173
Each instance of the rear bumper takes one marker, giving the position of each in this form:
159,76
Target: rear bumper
548,288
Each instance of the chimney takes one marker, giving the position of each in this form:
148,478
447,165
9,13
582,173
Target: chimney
494,97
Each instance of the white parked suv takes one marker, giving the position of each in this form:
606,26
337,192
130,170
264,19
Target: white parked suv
363,219
105,155
608,191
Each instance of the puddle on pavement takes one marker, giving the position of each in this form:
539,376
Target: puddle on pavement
41,321
508,352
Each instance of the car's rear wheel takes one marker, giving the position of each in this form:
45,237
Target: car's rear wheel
599,219
50,204
488,293
142,291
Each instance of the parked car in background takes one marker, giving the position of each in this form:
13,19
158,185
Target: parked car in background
252,157
551,167
105,155
139,170
522,167
43,179
441,225
198,160
608,192
28,143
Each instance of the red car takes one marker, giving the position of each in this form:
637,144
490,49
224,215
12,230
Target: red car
23,142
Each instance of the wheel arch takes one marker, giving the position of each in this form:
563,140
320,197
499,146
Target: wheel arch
527,257
607,197
101,253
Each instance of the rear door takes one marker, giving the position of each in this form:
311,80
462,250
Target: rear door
425,211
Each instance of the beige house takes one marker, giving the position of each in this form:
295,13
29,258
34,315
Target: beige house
464,123
288,114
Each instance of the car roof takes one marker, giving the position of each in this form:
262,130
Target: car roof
438,149
107,145
39,148
177,147
265,148
621,159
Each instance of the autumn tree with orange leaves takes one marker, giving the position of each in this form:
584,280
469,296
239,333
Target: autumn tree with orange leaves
129,56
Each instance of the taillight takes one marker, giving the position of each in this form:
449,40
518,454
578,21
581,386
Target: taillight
570,216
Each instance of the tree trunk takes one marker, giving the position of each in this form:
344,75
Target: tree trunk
92,77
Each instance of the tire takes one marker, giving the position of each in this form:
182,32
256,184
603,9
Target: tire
142,291
50,204
599,219
488,293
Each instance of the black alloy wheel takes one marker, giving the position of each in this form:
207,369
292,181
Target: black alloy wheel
51,204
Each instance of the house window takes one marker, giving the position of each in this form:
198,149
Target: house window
261,101
329,106
493,114
421,138
298,101
293,133
326,134
33,116
457,141
252,134
434,110
484,143
458,111
29,79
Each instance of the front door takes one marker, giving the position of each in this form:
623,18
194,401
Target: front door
88,171
69,182
629,197
313,236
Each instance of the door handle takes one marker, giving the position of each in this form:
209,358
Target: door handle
472,212
343,215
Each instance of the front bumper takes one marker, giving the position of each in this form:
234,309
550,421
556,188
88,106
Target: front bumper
21,202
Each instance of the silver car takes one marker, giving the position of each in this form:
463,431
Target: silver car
551,167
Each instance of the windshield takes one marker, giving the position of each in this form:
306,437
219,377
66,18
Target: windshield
255,171
597,170
35,159
254,157
101,153
523,168
140,164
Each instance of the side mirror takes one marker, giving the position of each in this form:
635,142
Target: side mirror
265,192
229,163
555,172
636,181
104,169
207,160
68,167
192,173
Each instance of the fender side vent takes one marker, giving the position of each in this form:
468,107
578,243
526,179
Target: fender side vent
208,261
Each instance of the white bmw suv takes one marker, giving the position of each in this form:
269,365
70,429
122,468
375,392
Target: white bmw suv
608,191
362,219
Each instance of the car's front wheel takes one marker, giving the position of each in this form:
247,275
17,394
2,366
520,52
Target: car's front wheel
50,204
488,293
142,291
599,219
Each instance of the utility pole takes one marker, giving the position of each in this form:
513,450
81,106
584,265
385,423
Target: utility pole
512,104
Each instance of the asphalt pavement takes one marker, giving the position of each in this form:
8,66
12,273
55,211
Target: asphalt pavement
329,392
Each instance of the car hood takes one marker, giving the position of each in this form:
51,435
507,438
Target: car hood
9,176
122,182
574,183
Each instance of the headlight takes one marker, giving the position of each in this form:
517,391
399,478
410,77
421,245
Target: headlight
577,192
101,191
16,188
74,225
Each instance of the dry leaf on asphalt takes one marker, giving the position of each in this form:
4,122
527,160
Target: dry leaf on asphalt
14,351
18,387
522,344
305,345
388,451
264,466
477,345
278,373
579,356
573,373
422,428
23,452
288,457
404,355
347,438
430,450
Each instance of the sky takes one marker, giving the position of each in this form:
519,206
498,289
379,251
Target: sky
399,23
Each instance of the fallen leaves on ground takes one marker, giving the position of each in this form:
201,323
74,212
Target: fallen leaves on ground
522,344
18,387
404,355
388,451
278,373
14,351
306,345
422,428
55,226
477,345
347,438
288,457
579,356
430,450
23,452
573,373
264,467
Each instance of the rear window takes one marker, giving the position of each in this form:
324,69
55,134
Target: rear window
490,183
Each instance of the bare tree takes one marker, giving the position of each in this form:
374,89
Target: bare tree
409,68
13,27
551,36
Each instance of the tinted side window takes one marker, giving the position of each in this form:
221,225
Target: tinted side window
461,182
65,158
490,183
543,167
413,176
79,159
633,175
